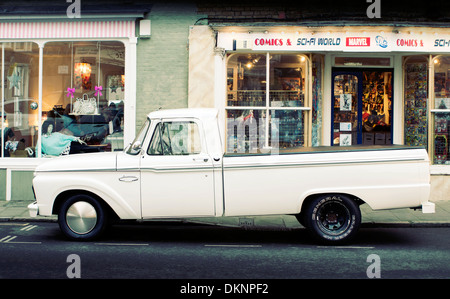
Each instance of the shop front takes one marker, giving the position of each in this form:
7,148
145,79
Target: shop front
69,87
336,86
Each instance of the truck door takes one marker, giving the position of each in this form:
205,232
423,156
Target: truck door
177,172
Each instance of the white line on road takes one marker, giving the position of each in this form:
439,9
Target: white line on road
122,244
230,245
8,239
17,242
28,228
346,247
13,224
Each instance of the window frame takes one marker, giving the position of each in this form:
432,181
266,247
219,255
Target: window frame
306,109
435,112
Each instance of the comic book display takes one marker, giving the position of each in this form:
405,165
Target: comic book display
416,86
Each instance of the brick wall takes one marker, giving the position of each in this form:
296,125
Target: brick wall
162,70
288,11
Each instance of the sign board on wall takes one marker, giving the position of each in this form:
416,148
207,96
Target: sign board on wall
337,41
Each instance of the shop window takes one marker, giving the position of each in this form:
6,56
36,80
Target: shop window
317,102
83,94
416,103
266,102
20,66
82,98
441,111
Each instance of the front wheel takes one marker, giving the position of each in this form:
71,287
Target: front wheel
333,219
82,218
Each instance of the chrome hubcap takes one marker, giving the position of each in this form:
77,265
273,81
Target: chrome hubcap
81,217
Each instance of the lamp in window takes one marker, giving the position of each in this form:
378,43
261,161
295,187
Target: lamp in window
83,75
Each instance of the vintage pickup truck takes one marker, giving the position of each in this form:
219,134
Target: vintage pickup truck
177,168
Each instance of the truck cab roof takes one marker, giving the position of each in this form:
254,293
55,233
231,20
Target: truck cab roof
200,113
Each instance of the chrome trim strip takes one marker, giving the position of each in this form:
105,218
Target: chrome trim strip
235,166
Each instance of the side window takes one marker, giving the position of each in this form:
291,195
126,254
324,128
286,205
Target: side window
155,144
175,138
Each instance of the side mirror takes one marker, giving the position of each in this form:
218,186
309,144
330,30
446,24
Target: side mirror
136,147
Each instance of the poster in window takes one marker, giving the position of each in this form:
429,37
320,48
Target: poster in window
345,127
346,102
345,140
442,103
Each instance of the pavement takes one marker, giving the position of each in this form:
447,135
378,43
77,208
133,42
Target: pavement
16,210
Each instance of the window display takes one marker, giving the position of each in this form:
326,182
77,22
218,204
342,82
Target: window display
441,111
20,97
83,93
317,101
82,98
415,95
266,101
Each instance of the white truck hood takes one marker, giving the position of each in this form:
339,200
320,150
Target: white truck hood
80,162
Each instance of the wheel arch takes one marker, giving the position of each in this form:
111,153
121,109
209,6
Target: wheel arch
59,200
308,199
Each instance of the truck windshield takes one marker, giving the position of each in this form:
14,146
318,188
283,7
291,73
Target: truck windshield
135,147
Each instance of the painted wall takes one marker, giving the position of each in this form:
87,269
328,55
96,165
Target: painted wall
163,60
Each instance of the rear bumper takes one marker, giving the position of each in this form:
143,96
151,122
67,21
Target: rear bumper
33,209
428,207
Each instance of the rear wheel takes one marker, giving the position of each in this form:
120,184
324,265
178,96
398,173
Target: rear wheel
333,219
82,217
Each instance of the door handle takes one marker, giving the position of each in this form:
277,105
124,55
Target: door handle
200,159
128,178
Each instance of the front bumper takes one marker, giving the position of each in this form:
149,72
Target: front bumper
33,209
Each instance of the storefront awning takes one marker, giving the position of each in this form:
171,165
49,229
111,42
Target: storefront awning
69,29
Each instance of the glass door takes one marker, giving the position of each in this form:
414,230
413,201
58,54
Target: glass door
346,114
362,107
377,107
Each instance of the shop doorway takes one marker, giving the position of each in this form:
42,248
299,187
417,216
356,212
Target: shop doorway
362,106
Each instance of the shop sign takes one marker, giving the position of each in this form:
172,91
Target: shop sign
357,42
337,41
442,43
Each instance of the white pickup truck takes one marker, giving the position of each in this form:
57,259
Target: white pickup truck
177,168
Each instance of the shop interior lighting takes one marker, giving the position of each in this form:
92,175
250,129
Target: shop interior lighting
83,68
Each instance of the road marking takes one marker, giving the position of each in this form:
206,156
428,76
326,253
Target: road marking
230,245
28,228
347,247
13,224
7,239
17,242
122,244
